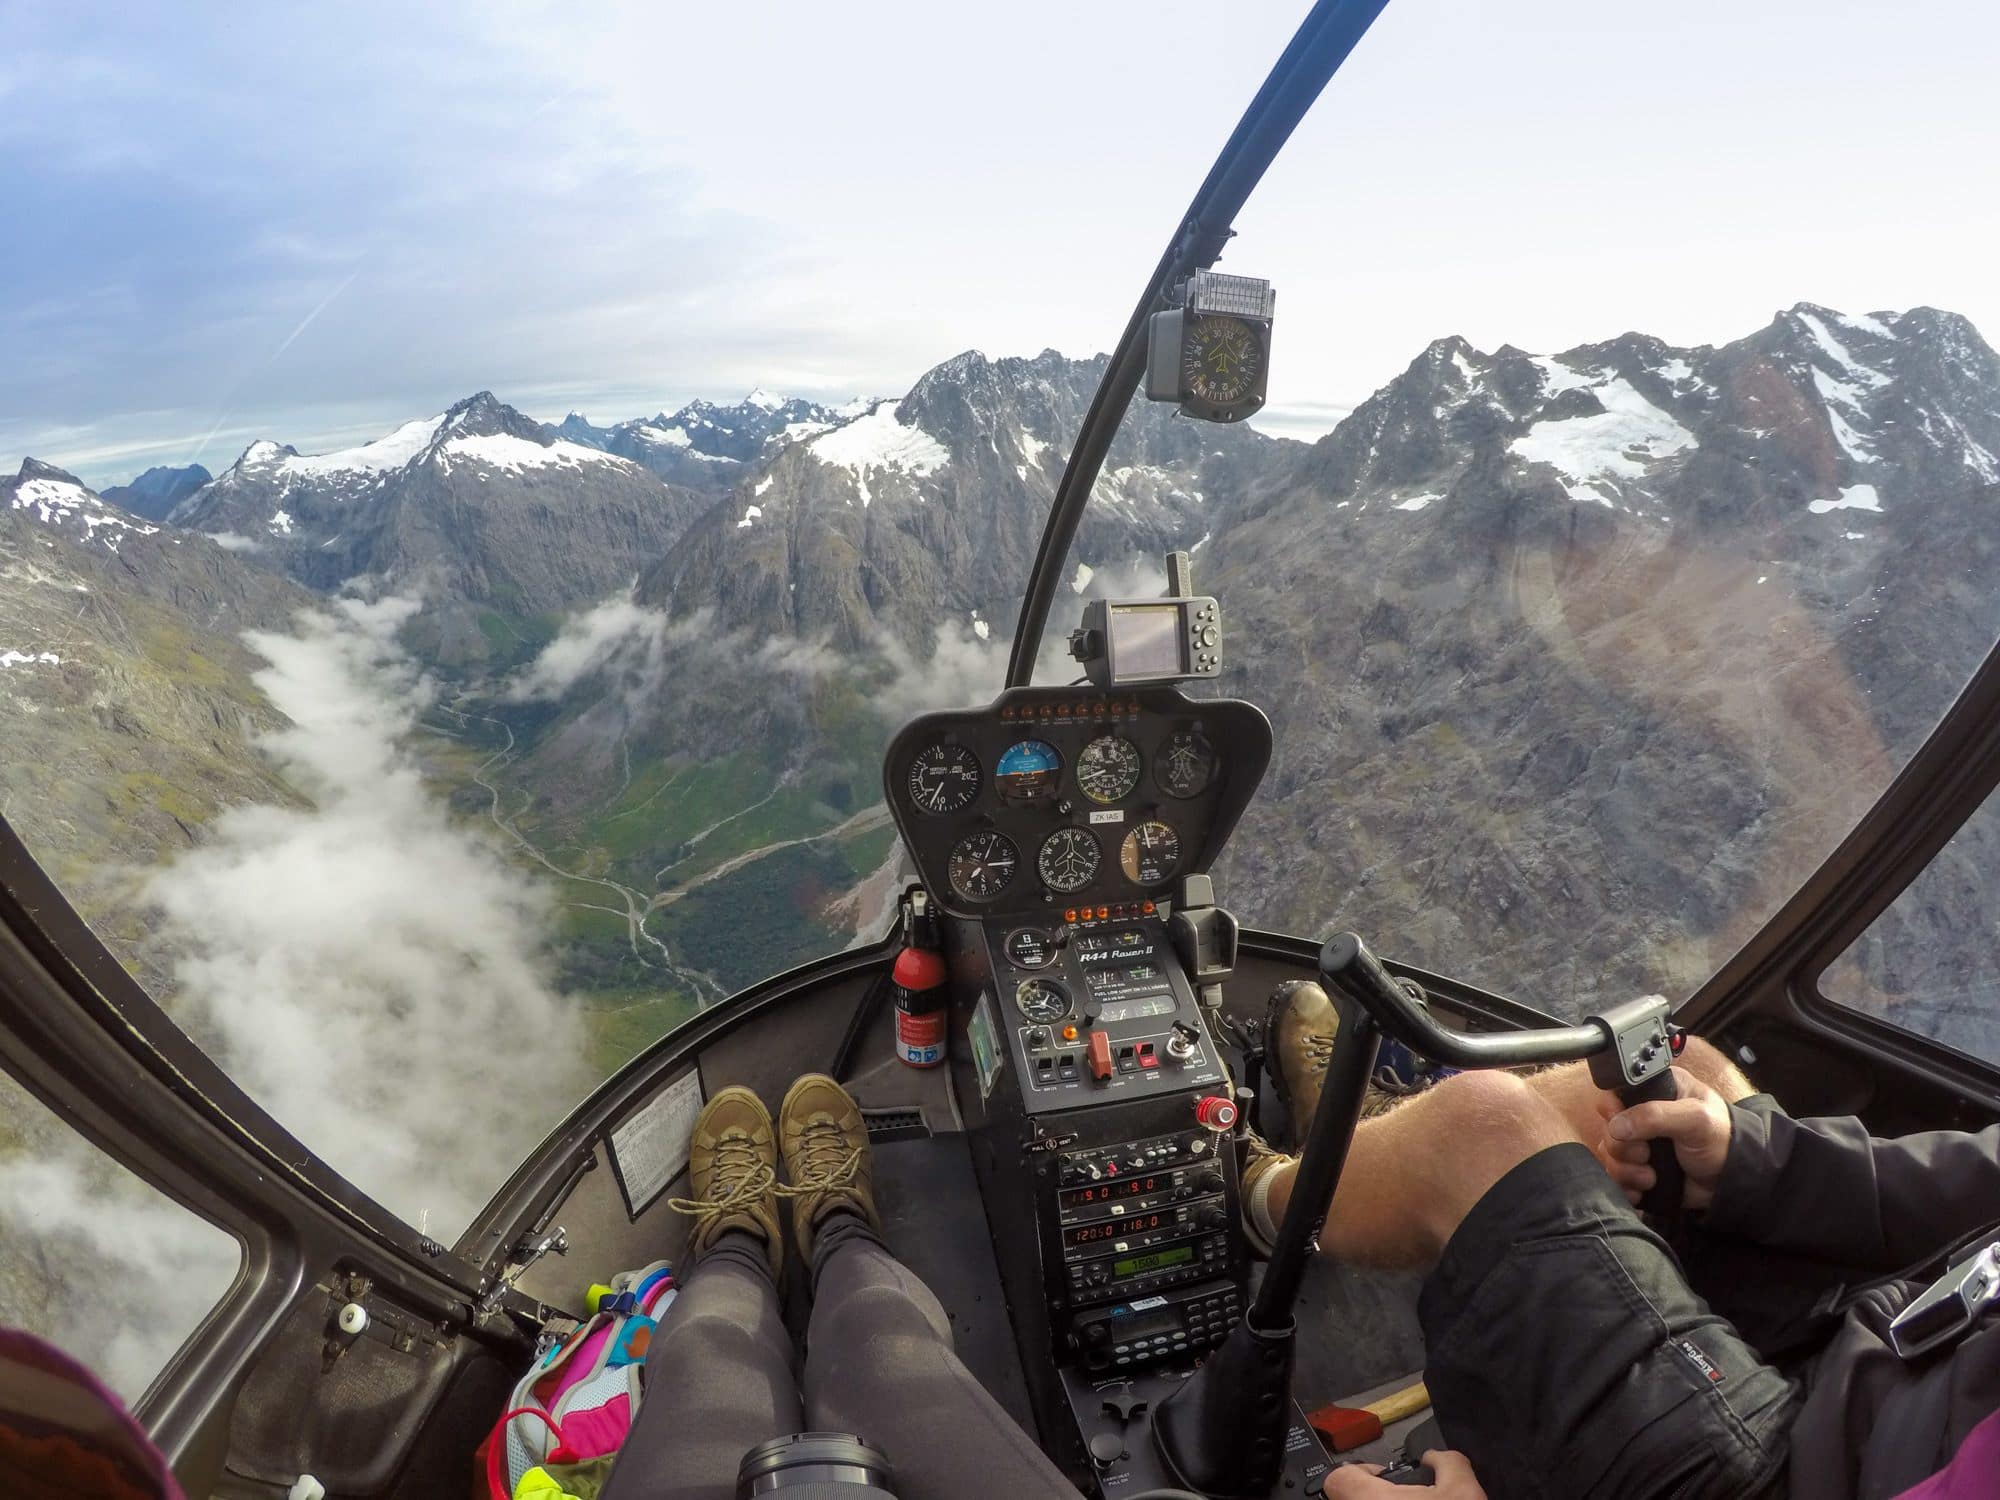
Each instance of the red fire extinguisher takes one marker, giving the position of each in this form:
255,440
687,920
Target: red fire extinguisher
919,983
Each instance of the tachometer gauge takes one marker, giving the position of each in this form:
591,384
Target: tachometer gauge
1220,358
1151,853
1041,1000
981,864
1108,768
1028,771
944,778
1186,764
1069,859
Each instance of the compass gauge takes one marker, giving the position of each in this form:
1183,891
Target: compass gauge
1069,860
1220,359
1186,765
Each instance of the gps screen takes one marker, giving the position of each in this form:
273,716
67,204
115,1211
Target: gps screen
1146,640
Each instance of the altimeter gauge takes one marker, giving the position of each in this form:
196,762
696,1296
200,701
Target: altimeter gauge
1151,853
944,778
982,864
1107,769
1069,859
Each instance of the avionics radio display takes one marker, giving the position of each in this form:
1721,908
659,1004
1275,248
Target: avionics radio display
1116,1229
1111,1192
1139,1265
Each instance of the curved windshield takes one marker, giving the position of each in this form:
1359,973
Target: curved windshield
1611,537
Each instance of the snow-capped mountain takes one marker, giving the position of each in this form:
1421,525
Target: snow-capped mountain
924,509
1604,615
478,509
62,505
705,446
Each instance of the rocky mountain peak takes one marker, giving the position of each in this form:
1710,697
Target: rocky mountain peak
34,468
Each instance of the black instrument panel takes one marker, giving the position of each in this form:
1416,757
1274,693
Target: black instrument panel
1053,798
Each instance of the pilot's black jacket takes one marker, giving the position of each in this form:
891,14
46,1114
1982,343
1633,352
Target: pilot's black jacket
1838,1205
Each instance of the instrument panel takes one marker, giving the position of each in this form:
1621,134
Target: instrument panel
1053,799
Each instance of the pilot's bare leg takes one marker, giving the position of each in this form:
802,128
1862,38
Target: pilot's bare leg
1568,1086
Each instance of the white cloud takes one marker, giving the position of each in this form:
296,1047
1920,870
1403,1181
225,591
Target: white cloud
617,634
369,970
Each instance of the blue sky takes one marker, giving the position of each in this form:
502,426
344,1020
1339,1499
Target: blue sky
309,222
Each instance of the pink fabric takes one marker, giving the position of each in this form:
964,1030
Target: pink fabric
100,1416
1972,1474
598,1430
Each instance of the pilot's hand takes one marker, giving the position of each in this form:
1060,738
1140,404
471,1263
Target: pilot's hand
1454,1480
1697,1123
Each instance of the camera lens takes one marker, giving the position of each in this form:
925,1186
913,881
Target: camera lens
816,1466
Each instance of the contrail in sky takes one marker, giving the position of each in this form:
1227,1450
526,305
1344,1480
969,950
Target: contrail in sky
304,323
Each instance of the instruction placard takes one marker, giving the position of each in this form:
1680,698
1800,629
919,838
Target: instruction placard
649,1147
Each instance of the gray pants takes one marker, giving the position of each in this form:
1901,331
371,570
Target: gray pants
720,1378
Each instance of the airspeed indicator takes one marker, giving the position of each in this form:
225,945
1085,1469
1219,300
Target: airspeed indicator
944,778
1108,768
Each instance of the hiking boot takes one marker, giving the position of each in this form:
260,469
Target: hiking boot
1298,1042
1260,1160
733,1174
1299,1029
826,1156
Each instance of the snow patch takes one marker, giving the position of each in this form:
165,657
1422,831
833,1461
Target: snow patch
980,628
673,437
1674,371
1854,536
390,451
1417,502
29,659
879,441
1833,346
763,400
504,451
1854,497
763,484
1084,573
57,502
1619,442
751,514
1867,324
1464,366
1557,377
281,523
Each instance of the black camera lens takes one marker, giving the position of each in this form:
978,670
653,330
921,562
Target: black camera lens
816,1466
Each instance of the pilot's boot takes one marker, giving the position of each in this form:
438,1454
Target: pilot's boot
825,1145
733,1174
1299,1030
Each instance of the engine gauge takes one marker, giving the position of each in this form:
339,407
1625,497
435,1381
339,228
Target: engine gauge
1028,771
1108,768
944,778
1069,859
1151,853
982,864
1186,764
1041,1000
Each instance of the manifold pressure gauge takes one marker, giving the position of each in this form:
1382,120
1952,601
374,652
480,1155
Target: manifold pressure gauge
1212,354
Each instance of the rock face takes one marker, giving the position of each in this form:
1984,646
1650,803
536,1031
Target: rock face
492,521
155,493
704,446
926,510
126,701
1579,665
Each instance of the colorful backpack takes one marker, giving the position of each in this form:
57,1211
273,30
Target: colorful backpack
570,1414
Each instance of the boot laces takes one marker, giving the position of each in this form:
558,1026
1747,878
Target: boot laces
826,1161
739,1179
1318,1049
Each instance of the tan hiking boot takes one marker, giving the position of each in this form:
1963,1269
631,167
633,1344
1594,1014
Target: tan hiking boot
825,1145
1260,1226
733,1174
1299,1030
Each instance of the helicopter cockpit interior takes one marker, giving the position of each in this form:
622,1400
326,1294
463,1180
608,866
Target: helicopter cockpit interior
1060,1126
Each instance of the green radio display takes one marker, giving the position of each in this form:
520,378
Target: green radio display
1140,1264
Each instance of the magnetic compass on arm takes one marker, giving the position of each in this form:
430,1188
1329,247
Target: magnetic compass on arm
1212,354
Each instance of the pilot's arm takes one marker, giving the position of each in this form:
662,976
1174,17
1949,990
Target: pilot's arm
1822,1186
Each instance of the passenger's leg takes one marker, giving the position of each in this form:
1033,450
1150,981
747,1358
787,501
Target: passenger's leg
880,1364
719,1375
1568,1087
719,1380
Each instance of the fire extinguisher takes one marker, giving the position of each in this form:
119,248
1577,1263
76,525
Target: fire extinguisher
918,980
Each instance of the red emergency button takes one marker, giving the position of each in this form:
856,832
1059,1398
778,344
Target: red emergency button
1215,1112
1099,1048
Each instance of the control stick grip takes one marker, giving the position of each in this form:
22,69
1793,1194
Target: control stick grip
1665,1200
